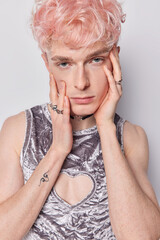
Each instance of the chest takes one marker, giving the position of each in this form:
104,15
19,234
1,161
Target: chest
73,189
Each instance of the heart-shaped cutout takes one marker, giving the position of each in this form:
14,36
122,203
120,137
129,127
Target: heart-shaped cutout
73,189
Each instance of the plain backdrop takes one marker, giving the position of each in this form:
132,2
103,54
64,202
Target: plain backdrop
24,80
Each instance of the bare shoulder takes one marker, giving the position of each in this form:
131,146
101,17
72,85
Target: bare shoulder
136,142
133,131
136,150
13,131
11,141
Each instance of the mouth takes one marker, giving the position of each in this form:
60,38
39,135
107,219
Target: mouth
83,100
82,97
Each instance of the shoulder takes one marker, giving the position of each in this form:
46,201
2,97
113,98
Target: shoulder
13,131
135,142
15,119
11,142
133,131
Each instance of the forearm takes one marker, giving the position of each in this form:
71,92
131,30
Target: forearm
133,215
23,208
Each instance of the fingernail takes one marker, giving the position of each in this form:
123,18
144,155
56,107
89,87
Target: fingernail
50,75
51,78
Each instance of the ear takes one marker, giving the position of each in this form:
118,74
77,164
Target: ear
45,58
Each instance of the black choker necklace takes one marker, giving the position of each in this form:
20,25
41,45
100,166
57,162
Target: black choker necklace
79,117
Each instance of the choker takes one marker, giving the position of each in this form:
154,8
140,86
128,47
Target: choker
54,108
79,117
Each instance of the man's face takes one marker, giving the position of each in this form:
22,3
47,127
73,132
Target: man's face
82,71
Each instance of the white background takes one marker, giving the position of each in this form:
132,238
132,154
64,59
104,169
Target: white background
24,79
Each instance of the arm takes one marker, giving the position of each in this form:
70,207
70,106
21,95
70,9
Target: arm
20,204
134,209
17,201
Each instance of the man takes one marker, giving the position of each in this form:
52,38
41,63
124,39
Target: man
75,169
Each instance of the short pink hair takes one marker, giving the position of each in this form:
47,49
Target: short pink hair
78,23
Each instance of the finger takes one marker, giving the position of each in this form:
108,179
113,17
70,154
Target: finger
53,96
116,66
53,90
119,87
111,81
66,110
61,95
116,51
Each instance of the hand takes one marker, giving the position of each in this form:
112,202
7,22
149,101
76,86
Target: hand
106,111
61,126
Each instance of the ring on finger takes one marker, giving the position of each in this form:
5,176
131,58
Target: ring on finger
119,82
54,107
59,111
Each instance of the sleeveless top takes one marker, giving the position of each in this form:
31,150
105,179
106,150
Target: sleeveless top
58,220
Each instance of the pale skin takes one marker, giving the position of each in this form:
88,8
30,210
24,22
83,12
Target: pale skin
131,197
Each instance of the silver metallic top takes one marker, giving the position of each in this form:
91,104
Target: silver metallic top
58,220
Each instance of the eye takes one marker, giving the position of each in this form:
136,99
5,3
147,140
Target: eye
97,60
63,64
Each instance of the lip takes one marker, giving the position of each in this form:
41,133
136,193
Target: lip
83,100
82,97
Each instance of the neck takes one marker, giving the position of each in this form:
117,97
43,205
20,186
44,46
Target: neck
80,124
83,124
80,117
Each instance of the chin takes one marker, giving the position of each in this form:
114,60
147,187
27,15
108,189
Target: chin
82,110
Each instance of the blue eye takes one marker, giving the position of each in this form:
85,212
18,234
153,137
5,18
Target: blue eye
63,65
97,60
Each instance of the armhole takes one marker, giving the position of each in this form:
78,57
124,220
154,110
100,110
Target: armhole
122,131
28,127
120,128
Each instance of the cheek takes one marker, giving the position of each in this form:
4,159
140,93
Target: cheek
100,82
104,85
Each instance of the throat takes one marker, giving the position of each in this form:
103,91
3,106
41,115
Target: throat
78,125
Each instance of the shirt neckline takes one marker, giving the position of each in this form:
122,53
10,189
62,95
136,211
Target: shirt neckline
86,131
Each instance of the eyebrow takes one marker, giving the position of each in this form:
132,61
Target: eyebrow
96,53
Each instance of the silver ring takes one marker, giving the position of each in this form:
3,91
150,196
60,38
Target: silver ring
119,82
59,111
54,107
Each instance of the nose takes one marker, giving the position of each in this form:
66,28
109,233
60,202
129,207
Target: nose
81,80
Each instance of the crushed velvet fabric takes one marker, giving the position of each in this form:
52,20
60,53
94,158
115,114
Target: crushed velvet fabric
58,220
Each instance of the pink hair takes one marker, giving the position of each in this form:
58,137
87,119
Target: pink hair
78,23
